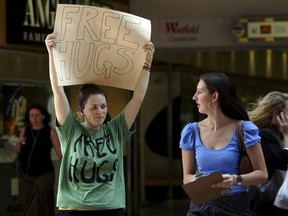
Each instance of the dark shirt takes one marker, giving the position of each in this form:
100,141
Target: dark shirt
35,154
276,157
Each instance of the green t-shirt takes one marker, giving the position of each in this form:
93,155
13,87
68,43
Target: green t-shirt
91,173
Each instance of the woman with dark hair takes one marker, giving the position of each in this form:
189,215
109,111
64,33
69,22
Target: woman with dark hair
212,145
34,152
270,114
91,179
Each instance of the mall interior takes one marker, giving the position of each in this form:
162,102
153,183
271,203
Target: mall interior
244,39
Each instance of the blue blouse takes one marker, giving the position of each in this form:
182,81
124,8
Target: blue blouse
225,160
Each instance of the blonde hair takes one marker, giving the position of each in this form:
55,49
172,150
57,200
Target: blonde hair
263,110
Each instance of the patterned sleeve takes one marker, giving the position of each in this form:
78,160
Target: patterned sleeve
251,134
187,137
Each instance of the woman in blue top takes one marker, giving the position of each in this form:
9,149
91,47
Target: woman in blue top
212,144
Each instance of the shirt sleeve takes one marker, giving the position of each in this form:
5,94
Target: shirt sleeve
251,134
187,137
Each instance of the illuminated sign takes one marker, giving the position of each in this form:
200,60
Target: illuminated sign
261,29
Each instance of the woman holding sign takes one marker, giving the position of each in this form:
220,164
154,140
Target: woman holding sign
91,178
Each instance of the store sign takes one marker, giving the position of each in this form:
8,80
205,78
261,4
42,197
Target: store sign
29,21
261,29
194,32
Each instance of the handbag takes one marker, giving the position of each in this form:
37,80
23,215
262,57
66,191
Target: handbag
267,191
245,165
281,199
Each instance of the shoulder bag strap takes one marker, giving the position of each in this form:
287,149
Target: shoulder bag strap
240,138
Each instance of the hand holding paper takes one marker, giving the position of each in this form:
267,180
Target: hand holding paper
200,190
149,48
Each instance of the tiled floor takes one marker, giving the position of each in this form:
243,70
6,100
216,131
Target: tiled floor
166,207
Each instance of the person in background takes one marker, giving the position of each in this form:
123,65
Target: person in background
270,114
212,145
91,179
34,152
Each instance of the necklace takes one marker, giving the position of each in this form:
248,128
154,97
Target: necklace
35,137
32,149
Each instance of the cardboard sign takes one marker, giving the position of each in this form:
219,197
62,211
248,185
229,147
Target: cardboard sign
99,45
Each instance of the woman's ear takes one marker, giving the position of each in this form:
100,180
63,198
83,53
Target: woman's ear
215,96
80,109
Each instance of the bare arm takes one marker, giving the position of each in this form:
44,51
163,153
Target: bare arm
62,106
132,108
259,174
188,163
56,142
20,141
